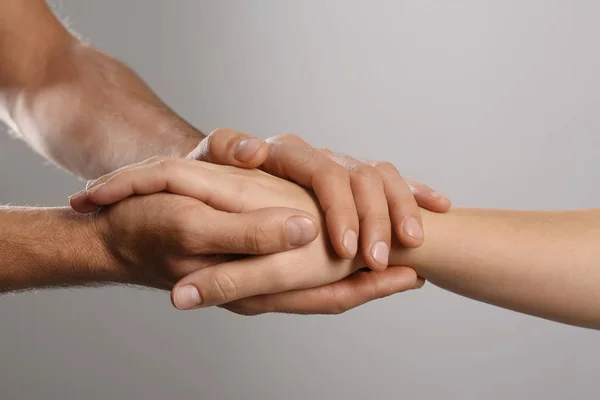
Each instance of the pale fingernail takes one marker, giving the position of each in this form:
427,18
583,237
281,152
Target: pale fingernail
78,195
246,148
380,253
95,188
412,228
437,195
300,231
350,242
187,297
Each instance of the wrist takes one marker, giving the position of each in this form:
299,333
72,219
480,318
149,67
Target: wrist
419,258
85,254
45,247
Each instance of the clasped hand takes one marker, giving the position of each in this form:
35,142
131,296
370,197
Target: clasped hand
255,241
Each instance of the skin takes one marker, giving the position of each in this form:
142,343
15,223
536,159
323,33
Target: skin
90,114
543,263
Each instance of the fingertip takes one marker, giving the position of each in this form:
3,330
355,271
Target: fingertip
410,233
379,254
230,147
440,200
349,244
300,231
186,297
245,149
403,278
79,202
255,159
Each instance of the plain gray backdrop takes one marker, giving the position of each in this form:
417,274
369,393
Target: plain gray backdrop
495,103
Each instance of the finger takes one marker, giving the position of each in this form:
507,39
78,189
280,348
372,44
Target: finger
331,183
229,147
334,298
80,201
253,276
206,182
264,231
95,182
373,213
428,198
404,211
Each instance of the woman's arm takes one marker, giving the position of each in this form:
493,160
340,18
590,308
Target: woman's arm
543,263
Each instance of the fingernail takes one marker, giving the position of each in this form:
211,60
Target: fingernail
412,228
94,188
78,195
350,242
437,195
246,148
300,231
380,253
187,297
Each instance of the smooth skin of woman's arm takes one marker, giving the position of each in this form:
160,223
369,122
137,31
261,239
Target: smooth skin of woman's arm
543,263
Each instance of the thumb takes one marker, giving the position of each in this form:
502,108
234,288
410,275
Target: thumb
228,147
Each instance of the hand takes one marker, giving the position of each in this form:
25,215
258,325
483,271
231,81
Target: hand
349,190
223,188
161,238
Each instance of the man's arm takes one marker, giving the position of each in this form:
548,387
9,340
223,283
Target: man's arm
41,247
75,105
541,263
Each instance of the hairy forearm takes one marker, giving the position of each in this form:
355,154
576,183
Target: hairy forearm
44,247
76,106
541,263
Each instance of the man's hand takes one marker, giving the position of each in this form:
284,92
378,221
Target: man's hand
235,190
370,196
161,238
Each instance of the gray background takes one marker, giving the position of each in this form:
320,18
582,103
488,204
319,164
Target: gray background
493,102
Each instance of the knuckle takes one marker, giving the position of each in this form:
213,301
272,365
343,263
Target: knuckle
220,131
365,171
339,308
380,220
257,239
384,166
185,231
166,163
224,287
339,303
287,137
336,171
325,151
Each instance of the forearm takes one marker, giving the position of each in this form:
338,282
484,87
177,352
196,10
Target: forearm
540,263
44,247
75,105
29,34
